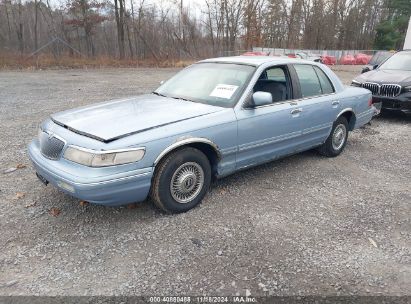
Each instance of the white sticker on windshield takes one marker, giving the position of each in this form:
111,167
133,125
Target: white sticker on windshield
224,91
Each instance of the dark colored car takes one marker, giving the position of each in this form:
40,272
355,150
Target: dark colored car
390,83
379,57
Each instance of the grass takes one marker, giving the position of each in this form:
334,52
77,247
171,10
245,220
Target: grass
48,61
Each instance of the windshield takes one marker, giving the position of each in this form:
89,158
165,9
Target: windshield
398,61
219,84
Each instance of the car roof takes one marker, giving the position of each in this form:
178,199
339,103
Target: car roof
257,60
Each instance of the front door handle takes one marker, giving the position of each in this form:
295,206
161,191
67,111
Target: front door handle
296,111
335,103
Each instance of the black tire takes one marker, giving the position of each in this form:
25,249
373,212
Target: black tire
161,192
328,148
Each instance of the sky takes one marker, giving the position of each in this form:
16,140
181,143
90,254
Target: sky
194,5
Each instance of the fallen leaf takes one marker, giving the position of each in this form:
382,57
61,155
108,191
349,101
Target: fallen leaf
9,170
131,206
373,242
83,203
54,211
19,195
223,191
31,205
21,166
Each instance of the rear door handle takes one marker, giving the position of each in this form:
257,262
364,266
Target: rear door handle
296,111
335,103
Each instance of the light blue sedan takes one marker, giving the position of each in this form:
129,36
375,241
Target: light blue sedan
213,118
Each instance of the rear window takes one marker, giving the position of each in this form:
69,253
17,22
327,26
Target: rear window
398,61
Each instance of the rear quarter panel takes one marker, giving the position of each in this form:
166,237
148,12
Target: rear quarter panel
351,99
357,100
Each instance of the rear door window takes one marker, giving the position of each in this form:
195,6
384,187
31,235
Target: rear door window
309,82
326,85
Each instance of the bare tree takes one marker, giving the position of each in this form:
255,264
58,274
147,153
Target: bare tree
170,30
119,13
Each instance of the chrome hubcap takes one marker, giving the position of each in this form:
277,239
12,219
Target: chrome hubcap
338,138
187,182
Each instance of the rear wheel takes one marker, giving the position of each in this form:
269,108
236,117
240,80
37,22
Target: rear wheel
337,139
181,180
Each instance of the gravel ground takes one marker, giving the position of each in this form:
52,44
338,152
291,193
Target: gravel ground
303,225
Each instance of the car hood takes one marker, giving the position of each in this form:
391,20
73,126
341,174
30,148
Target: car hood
112,120
387,76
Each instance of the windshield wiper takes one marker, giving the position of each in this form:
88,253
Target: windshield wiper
181,98
174,97
158,94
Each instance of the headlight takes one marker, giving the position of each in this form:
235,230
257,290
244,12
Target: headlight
356,83
407,88
94,158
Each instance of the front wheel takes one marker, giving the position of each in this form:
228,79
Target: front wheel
181,180
337,139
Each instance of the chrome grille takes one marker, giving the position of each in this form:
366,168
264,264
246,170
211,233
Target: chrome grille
390,90
373,87
386,90
50,146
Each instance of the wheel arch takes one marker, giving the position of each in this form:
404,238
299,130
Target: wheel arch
208,147
350,116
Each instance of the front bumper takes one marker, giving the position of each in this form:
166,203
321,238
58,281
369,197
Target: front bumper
94,185
401,103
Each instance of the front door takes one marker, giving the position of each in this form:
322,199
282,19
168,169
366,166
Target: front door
270,131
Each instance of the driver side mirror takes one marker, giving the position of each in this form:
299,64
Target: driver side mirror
261,99
365,70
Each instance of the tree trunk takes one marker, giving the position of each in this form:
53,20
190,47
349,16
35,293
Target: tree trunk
8,21
19,30
119,14
130,46
36,45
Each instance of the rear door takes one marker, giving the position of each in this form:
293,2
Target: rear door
318,102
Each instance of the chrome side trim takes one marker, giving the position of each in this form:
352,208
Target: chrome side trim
292,102
279,138
350,126
116,179
365,113
185,141
77,184
317,128
268,141
346,110
100,152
